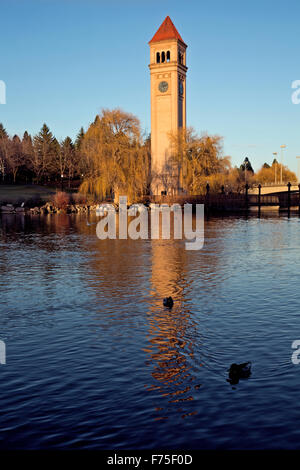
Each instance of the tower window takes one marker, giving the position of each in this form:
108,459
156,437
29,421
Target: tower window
168,56
158,57
180,57
163,57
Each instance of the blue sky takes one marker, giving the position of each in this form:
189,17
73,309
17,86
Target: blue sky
62,61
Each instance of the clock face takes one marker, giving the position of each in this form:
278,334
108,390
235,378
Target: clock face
181,87
163,87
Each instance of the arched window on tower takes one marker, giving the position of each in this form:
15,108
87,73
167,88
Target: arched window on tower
163,57
158,57
168,56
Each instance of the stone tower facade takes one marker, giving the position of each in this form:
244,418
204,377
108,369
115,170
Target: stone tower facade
168,98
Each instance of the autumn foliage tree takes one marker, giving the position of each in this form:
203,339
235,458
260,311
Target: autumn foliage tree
199,159
272,174
112,157
115,157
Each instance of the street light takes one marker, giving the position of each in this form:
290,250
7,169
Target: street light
62,181
245,167
281,164
275,153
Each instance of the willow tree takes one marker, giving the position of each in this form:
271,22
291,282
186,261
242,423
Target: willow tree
199,158
116,159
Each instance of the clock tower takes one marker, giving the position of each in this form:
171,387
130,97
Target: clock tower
168,98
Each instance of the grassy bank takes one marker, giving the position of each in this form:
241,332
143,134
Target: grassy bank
21,193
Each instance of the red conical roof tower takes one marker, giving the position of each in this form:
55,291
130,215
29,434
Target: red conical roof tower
166,30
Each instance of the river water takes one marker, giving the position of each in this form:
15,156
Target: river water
94,360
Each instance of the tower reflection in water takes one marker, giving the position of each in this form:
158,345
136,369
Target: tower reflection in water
172,333
159,268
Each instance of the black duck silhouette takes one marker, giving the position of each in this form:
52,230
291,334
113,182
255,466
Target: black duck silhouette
168,302
239,371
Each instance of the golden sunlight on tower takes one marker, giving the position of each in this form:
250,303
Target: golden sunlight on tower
168,95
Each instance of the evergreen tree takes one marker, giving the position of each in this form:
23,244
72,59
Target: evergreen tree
46,148
246,165
3,133
79,139
68,158
26,137
27,147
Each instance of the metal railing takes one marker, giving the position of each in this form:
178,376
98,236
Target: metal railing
235,201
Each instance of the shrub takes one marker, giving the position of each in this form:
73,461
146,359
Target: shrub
61,199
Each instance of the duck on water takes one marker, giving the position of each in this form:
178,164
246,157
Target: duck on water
239,371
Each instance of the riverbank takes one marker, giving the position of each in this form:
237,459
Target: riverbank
13,194
41,200
44,200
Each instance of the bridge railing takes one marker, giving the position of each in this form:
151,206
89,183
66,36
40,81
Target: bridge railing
234,201
271,185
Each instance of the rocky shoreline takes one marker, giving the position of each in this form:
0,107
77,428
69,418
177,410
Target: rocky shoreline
48,208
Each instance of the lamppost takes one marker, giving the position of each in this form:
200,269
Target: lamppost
62,181
245,168
275,153
281,164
